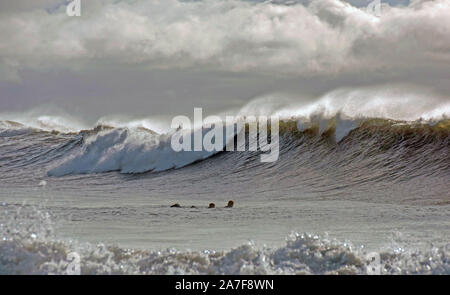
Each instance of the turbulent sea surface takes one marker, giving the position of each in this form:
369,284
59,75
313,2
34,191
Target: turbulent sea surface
341,189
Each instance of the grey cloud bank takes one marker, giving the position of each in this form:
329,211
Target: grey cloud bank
169,56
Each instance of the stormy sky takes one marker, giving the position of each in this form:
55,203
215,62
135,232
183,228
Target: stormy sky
141,58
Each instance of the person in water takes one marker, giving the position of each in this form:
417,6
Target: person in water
212,205
230,204
176,205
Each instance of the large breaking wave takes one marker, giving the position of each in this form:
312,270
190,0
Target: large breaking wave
420,146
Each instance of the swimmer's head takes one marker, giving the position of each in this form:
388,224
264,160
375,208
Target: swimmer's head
230,204
212,205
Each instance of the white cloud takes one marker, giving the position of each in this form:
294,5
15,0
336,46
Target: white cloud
326,37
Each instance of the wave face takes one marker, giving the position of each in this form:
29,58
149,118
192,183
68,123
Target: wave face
324,155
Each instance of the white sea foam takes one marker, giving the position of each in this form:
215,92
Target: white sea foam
42,119
29,245
396,102
128,151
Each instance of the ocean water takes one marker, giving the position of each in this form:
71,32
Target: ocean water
340,191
